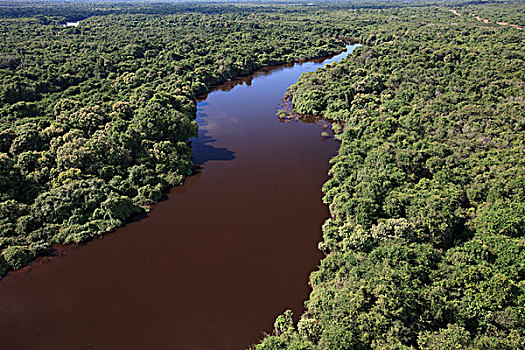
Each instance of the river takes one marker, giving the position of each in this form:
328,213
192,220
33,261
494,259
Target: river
213,264
71,24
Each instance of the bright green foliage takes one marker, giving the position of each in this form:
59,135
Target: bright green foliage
426,243
16,256
285,336
95,120
425,247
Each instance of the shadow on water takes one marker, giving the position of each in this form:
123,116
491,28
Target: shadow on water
210,269
202,149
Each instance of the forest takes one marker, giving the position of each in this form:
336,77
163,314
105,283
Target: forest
425,245
96,118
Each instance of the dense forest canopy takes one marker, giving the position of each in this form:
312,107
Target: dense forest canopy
425,246
96,118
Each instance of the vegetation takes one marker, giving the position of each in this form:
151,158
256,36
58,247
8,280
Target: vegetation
512,13
95,119
425,247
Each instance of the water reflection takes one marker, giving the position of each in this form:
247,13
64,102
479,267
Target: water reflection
202,149
211,267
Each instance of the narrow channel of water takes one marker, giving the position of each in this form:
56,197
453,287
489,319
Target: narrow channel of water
71,24
214,264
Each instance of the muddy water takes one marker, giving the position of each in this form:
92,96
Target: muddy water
210,267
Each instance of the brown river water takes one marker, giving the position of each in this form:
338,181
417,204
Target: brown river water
211,266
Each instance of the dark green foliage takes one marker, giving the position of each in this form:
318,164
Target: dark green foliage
425,247
16,256
95,120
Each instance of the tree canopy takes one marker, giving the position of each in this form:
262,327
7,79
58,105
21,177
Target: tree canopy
425,244
96,118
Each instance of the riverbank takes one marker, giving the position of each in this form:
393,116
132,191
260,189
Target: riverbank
423,245
109,135
207,268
